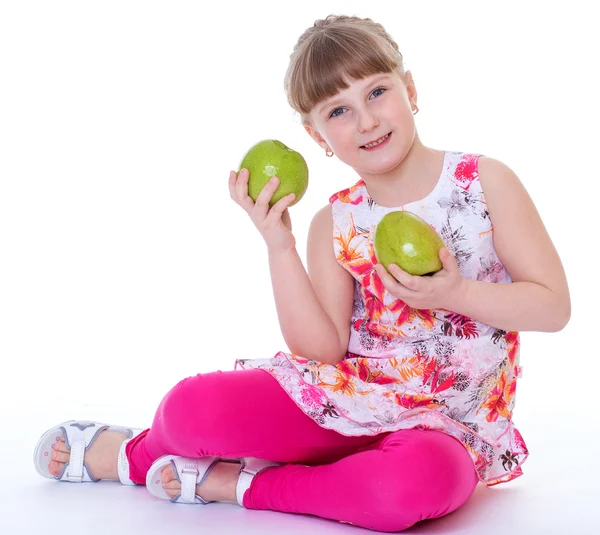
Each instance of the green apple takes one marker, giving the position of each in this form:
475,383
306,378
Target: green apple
272,158
404,239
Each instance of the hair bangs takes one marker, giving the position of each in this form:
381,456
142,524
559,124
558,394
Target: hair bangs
330,60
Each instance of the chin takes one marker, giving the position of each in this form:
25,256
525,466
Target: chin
387,165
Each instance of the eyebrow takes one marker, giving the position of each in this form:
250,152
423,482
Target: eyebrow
334,102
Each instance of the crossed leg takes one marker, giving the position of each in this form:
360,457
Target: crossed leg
385,482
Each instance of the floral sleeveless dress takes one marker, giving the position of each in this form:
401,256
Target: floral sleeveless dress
410,368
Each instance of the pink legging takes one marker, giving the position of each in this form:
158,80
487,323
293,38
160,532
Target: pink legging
385,482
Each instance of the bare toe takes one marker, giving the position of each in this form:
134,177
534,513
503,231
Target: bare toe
172,488
56,468
52,468
60,445
167,474
60,456
170,482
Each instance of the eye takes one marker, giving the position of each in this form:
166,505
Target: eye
382,89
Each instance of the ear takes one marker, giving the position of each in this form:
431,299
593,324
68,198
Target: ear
411,90
316,136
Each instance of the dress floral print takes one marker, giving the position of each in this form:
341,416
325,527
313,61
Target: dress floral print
405,367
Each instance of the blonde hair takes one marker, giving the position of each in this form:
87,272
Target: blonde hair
331,51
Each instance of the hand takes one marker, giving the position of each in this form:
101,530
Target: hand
437,291
274,224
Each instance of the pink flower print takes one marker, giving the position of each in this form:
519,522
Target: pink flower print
345,195
313,397
466,171
491,269
519,442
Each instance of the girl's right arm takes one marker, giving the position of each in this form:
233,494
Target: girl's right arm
316,328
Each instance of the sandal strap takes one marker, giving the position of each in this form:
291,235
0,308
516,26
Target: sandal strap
192,472
251,466
123,462
79,436
188,475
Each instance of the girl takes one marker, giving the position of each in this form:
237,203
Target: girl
397,395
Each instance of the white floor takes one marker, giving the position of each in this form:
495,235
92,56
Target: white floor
559,494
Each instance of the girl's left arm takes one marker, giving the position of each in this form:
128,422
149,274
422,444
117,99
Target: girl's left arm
538,298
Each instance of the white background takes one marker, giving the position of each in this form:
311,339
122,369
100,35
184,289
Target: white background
124,264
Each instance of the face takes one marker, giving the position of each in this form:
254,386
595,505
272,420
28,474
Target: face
365,112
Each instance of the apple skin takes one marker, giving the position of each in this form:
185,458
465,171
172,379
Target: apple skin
270,158
405,239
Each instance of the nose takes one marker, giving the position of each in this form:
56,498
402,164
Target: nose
367,121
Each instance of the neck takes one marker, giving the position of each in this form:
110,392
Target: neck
412,177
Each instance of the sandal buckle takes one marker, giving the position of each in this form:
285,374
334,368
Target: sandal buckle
74,478
250,471
186,470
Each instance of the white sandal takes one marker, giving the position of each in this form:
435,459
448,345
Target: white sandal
191,472
79,435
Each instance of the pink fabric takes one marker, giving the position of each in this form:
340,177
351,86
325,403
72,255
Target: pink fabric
385,482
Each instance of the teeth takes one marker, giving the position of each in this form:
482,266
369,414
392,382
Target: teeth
375,143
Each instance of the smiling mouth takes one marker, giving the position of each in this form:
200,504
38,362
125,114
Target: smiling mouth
378,142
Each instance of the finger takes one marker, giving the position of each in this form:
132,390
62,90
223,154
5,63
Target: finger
278,208
406,279
285,217
241,184
386,278
392,285
232,181
448,259
264,197
240,190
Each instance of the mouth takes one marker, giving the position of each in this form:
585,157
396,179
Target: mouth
378,143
